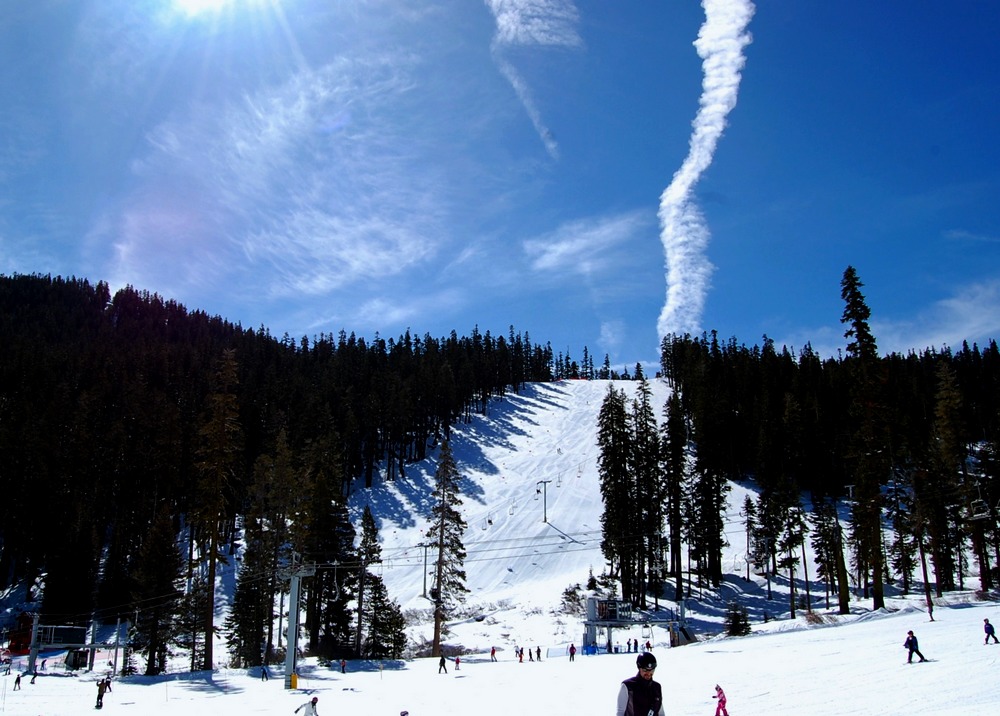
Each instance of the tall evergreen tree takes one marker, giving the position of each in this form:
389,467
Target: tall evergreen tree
649,492
674,455
156,577
219,463
614,442
869,455
445,533
369,553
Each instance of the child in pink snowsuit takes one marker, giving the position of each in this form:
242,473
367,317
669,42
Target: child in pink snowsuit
720,709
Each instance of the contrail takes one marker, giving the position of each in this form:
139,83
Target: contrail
684,234
544,23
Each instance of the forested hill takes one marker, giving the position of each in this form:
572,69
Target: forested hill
141,443
108,403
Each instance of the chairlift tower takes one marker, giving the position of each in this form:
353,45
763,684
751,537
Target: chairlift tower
292,643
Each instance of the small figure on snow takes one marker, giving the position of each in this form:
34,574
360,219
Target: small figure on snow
640,695
458,662
264,676
310,707
720,707
912,645
538,653
442,665
493,653
990,632
17,683
572,652
102,686
343,666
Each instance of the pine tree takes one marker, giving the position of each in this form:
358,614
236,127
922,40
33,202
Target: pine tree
737,620
674,455
369,553
445,532
218,464
649,497
156,577
614,441
869,451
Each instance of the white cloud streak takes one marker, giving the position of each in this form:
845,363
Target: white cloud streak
271,181
684,233
532,23
585,246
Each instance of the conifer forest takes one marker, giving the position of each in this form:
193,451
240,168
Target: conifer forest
143,443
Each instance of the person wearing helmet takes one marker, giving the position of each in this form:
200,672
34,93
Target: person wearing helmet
640,695
310,707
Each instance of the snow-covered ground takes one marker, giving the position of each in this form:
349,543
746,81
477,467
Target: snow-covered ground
523,553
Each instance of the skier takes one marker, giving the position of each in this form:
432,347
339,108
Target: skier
102,686
310,707
17,683
264,676
343,666
640,695
720,708
538,653
493,653
990,632
442,665
572,652
911,644
458,662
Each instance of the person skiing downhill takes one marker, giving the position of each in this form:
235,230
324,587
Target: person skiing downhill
720,707
912,645
102,687
640,695
990,632
310,707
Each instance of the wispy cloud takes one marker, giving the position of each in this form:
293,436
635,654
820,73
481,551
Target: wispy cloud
304,179
584,246
538,23
971,313
971,236
684,232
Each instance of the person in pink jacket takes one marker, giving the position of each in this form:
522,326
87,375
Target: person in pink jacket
720,695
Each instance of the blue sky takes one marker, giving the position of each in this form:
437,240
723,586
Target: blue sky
558,166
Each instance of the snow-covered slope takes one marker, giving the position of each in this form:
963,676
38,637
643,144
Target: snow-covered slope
530,497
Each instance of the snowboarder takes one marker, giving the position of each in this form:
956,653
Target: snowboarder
990,632
310,707
442,665
572,652
640,695
720,708
102,686
911,644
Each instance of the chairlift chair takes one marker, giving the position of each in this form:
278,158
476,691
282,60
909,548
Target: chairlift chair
978,510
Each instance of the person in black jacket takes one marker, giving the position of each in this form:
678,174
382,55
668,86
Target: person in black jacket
640,695
911,644
990,632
